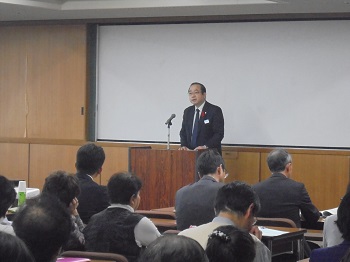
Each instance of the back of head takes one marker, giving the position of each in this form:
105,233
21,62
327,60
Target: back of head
229,244
209,161
90,158
62,185
173,248
122,186
278,159
343,213
13,249
44,225
7,195
236,197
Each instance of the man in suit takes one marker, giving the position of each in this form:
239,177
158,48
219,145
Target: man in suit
236,204
194,203
203,123
93,198
335,253
280,196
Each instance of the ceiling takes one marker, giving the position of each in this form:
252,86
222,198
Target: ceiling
26,10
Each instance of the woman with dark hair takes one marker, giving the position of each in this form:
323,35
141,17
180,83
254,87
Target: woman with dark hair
13,249
65,187
335,253
229,244
173,248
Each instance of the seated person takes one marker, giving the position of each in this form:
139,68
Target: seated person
335,253
44,226
66,188
229,244
93,197
12,249
194,203
7,197
331,233
173,248
282,197
236,204
118,229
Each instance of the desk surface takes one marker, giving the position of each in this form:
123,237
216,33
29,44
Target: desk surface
290,232
165,209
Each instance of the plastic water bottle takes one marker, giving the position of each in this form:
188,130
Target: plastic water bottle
22,191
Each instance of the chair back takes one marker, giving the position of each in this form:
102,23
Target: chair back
95,255
171,231
275,222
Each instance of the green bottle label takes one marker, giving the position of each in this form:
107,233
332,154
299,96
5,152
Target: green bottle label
21,198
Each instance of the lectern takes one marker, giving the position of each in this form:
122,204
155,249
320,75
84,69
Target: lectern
162,173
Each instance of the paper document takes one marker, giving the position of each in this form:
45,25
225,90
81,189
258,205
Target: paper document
329,212
271,232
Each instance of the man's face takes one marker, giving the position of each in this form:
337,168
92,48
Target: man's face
195,95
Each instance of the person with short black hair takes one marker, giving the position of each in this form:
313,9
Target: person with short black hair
194,203
44,226
65,187
173,248
93,197
335,253
230,244
118,229
13,249
236,204
7,198
203,122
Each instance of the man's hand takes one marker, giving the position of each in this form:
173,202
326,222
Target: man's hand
183,148
201,147
73,207
256,232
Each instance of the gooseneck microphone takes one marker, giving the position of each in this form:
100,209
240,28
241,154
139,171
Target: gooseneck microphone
170,118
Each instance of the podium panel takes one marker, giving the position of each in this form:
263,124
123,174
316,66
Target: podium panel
162,173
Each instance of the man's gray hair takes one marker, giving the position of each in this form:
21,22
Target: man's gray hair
278,159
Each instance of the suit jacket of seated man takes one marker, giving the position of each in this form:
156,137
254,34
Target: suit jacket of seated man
210,127
194,203
282,197
93,197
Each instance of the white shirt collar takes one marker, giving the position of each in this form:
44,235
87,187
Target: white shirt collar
122,206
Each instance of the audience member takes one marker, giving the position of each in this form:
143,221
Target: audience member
282,197
194,203
331,233
66,188
44,225
173,248
335,253
229,244
236,204
7,197
12,249
93,198
118,229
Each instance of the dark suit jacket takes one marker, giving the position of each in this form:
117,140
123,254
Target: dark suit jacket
93,198
194,203
210,127
283,197
330,254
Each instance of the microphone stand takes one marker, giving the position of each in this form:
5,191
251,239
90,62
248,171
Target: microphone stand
168,145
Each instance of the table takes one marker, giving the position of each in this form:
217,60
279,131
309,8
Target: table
165,209
164,224
291,235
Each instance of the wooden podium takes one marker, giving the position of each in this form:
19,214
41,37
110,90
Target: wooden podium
162,172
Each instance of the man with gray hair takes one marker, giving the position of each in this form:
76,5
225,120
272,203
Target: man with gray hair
282,197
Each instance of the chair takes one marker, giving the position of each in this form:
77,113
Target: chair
95,255
275,222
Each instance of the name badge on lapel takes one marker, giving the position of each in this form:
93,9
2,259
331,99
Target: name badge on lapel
206,121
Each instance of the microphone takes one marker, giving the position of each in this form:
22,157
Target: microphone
170,118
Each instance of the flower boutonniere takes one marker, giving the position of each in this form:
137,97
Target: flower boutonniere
203,114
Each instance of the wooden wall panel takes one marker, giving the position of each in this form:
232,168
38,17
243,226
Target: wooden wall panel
14,161
242,166
57,82
116,161
47,158
12,82
325,176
